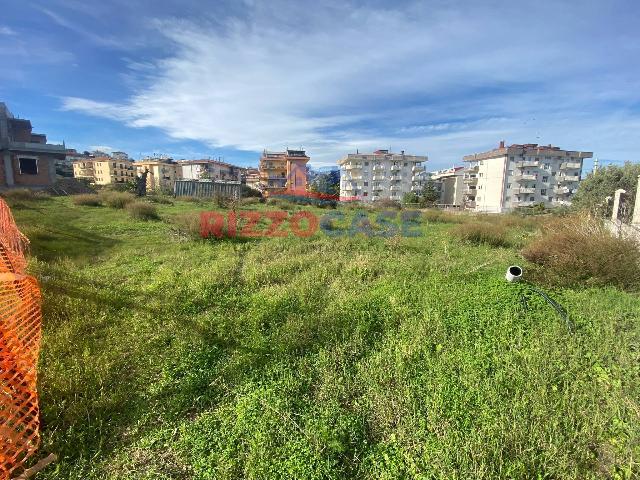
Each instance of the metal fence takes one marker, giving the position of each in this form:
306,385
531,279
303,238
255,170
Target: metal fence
195,188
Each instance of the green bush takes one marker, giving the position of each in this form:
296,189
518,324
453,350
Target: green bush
116,199
142,211
580,251
482,234
87,200
246,192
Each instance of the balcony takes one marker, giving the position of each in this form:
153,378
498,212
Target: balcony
569,178
395,168
417,169
518,191
395,188
377,178
562,190
353,166
416,188
377,188
525,178
395,178
570,165
528,163
524,203
470,180
349,187
378,168
356,177
473,169
470,191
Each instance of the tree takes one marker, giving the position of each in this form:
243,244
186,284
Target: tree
410,197
328,183
603,183
429,195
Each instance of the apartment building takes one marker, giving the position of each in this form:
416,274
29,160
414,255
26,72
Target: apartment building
450,185
209,170
107,170
515,176
83,168
252,178
28,161
380,175
283,170
161,173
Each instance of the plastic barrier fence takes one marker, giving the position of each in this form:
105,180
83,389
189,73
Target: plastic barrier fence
20,325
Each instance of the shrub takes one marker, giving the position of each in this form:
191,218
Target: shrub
387,203
441,216
142,211
159,199
187,223
580,250
116,199
250,201
246,191
87,199
480,233
23,194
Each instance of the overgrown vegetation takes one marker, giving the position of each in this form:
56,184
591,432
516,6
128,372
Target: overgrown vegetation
115,199
23,194
482,233
579,251
167,357
142,211
87,199
603,183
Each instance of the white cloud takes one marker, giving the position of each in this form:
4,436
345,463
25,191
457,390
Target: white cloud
4,30
102,148
427,78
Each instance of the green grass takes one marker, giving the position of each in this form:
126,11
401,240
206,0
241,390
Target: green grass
168,357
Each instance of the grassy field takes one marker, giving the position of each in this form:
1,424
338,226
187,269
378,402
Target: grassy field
169,357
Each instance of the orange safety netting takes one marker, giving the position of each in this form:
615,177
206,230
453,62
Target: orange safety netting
20,322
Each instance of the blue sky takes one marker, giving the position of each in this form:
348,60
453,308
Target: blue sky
195,79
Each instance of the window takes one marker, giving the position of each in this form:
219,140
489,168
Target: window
543,191
510,172
553,174
365,194
507,199
547,166
366,184
28,166
366,164
508,185
511,158
551,199
405,164
545,179
531,199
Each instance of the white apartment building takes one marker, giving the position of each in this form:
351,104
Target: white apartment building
375,176
450,184
209,170
520,176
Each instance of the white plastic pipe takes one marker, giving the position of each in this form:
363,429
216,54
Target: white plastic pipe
514,273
